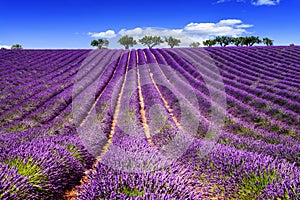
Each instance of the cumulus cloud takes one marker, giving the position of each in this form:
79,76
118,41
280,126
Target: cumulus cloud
254,2
192,32
231,27
106,34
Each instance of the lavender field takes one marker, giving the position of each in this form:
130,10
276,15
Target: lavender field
183,123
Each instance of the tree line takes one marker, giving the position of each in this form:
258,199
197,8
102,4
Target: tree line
238,41
152,41
128,41
15,46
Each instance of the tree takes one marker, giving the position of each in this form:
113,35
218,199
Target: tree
292,44
224,40
268,41
16,46
100,43
127,41
151,41
238,41
172,41
195,44
250,41
209,43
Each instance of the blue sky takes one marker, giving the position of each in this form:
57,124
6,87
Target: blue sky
74,23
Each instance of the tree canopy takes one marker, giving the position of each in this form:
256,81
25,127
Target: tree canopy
151,41
16,46
209,43
127,41
100,43
250,41
237,41
268,41
223,41
172,41
195,44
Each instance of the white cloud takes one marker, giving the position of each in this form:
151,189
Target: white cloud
229,22
140,32
222,1
244,26
192,32
230,27
254,2
106,34
4,46
265,2
136,31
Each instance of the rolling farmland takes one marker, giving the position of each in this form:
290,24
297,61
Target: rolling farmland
183,123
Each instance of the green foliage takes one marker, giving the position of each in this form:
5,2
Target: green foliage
37,119
252,186
28,169
223,41
172,41
209,43
195,44
260,121
16,46
292,44
250,41
268,41
151,41
16,127
132,192
242,130
237,41
75,152
100,43
127,41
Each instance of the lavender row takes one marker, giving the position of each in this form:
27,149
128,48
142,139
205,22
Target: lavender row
281,151
286,55
156,113
241,174
48,96
257,59
37,85
9,59
269,91
45,165
232,93
30,68
275,60
244,67
180,95
259,82
257,94
64,99
40,84
271,136
109,183
106,103
230,99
